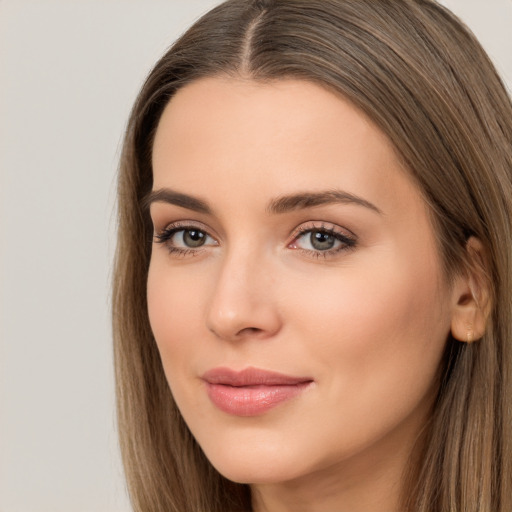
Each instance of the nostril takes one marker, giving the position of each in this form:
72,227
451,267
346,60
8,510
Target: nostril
250,330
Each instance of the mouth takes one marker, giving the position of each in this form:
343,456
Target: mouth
252,391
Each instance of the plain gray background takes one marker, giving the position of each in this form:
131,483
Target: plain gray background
69,72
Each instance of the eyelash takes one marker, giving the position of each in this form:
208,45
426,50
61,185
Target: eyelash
347,242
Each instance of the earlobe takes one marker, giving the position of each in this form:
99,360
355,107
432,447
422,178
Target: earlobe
471,295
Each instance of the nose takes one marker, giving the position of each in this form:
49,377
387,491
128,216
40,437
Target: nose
242,304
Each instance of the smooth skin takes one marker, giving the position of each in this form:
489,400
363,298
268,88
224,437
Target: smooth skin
350,292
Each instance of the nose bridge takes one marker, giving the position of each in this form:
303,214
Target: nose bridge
242,302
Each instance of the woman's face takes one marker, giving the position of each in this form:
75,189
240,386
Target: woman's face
295,289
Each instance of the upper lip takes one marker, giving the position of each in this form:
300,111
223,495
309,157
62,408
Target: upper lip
251,377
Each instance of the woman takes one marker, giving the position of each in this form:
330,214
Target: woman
312,302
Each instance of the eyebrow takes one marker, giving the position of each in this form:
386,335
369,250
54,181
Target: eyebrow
304,200
282,204
166,195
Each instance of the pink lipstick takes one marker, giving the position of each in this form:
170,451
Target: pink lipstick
252,391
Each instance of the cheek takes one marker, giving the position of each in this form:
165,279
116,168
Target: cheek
379,328
173,306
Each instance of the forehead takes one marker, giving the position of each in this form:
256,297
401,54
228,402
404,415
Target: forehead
270,137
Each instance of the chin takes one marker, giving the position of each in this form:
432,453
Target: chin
260,473
257,463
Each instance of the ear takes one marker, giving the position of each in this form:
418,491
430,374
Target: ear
471,298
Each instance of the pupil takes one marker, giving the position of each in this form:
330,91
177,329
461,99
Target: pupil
193,238
322,241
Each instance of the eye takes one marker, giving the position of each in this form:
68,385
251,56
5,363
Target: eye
322,240
191,238
184,239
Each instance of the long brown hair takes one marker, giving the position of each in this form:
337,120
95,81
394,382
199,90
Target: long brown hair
422,77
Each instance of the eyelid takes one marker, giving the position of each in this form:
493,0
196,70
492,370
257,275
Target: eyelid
329,227
185,224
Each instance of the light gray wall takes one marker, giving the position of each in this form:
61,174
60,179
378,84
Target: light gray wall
69,71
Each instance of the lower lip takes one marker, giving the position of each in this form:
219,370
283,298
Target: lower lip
252,400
